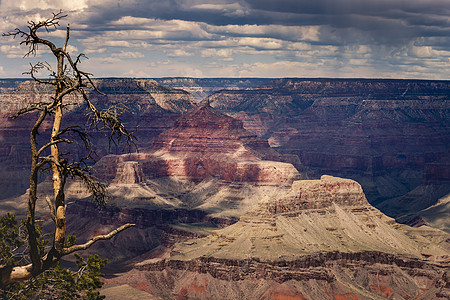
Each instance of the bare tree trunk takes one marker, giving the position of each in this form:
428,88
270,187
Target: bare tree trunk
68,79
58,185
35,256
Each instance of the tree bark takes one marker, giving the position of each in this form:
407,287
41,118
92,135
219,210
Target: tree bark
58,188
58,185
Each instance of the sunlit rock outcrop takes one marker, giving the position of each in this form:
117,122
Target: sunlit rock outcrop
203,144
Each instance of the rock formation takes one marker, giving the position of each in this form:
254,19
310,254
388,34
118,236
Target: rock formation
320,240
203,144
303,238
219,212
200,88
150,109
389,135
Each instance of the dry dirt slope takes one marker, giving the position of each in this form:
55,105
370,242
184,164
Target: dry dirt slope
318,241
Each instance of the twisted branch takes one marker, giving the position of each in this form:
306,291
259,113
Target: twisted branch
66,79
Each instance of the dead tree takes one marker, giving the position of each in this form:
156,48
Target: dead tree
66,79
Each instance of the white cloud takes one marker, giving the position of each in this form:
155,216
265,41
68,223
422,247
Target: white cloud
261,43
177,53
27,5
299,46
224,54
128,54
60,33
427,52
98,50
363,49
296,33
105,60
358,62
280,69
72,50
137,74
209,38
13,51
120,43
133,21
423,51
143,28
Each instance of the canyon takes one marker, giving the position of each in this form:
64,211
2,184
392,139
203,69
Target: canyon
228,193
283,237
389,135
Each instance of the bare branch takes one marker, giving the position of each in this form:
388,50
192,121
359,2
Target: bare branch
35,69
52,208
88,77
79,132
31,39
95,239
67,38
39,106
110,119
78,60
97,189
48,145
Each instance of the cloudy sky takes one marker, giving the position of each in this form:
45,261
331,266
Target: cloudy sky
242,38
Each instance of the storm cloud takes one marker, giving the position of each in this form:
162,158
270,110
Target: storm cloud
258,38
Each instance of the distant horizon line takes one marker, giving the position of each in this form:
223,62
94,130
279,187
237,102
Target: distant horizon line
268,78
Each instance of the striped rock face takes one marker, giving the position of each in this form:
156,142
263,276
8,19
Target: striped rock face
202,144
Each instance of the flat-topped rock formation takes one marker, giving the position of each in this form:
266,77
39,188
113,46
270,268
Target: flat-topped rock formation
389,135
330,214
319,239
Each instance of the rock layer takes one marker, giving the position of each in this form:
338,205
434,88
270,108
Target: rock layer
149,107
389,135
201,145
321,240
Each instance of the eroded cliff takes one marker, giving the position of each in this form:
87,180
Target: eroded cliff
389,135
319,240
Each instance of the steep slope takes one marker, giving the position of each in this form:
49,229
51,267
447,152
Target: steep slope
389,135
292,238
219,214
206,169
320,240
145,106
205,161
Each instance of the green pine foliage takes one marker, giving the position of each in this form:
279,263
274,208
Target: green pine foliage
10,239
56,283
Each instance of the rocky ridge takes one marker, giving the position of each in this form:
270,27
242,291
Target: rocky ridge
318,235
200,88
150,109
389,135
201,145
321,239
282,237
